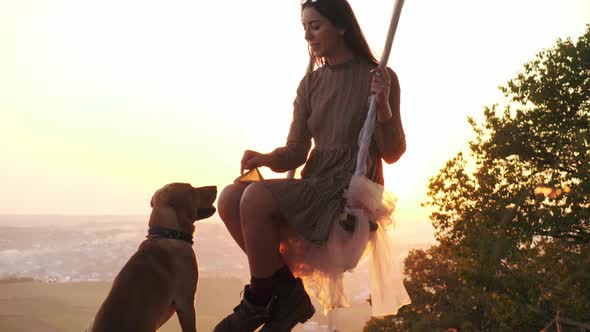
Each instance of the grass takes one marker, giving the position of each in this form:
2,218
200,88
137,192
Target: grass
29,306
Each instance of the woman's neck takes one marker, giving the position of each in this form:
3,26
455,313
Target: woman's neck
343,56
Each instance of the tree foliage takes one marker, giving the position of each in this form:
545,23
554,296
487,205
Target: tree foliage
513,217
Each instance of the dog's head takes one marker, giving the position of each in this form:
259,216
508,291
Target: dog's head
186,200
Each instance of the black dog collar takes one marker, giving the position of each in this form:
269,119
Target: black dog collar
170,234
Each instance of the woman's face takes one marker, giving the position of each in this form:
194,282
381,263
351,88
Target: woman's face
324,38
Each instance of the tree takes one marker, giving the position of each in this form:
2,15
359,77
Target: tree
513,217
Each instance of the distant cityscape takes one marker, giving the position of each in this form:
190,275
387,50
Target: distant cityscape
94,248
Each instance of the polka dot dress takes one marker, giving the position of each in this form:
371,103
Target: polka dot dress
330,108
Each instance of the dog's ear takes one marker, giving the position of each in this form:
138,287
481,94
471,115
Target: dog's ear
161,197
175,195
178,196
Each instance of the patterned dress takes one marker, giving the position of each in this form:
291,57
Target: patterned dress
330,107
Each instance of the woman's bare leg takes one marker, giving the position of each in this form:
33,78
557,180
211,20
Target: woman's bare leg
228,207
260,217
260,223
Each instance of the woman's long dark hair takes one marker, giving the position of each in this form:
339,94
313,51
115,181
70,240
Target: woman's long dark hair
339,13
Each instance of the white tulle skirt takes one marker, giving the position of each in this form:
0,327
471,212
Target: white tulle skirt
322,267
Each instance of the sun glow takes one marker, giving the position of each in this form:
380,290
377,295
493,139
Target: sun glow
113,98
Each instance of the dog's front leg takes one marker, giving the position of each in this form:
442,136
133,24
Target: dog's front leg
186,315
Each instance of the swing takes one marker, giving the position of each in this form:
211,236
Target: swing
387,291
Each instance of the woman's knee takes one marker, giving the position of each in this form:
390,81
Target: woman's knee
228,203
257,200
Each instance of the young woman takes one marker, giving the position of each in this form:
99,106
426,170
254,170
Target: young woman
330,108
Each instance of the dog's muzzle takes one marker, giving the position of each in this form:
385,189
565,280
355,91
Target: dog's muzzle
203,213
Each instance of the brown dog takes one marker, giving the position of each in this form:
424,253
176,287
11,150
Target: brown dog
161,277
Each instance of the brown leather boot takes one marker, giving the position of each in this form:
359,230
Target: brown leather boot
290,305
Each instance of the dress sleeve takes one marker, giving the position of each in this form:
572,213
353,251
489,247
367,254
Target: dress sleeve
389,135
294,153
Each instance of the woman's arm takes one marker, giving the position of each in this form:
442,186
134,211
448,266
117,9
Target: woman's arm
294,153
389,132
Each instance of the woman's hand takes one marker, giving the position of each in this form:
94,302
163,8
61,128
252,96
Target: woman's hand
252,159
380,88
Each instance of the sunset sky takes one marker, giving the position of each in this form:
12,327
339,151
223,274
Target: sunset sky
103,102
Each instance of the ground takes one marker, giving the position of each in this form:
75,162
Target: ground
29,306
